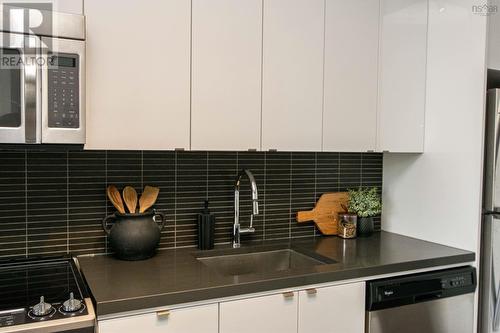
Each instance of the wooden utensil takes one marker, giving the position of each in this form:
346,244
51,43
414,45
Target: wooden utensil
148,198
130,198
115,198
325,213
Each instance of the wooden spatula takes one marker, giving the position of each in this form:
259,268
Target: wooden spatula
115,198
148,198
325,213
130,198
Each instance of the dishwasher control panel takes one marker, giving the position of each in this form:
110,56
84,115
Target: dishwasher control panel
418,288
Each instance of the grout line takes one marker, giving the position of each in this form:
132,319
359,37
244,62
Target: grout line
265,196
290,198
338,172
361,171
105,198
175,199
207,157
142,169
26,201
67,202
315,184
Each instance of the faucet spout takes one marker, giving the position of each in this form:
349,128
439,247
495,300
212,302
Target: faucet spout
237,229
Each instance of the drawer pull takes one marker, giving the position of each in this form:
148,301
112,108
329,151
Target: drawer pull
311,291
163,314
288,294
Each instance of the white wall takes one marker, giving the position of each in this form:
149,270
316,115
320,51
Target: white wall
436,196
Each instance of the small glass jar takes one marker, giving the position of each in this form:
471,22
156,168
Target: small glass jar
347,225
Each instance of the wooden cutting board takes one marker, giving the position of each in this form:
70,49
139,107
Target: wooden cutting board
325,213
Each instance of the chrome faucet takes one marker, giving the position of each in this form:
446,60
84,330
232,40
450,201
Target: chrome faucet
237,229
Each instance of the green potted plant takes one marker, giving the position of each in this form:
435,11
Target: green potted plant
366,203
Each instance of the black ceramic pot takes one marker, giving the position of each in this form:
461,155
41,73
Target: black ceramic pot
366,226
134,236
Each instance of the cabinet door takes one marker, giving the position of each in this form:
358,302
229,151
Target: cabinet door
226,74
292,92
336,309
138,74
351,65
186,320
403,57
267,314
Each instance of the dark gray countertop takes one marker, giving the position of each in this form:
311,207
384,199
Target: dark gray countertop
176,276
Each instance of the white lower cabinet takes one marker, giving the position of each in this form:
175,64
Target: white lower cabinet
267,314
330,309
336,309
184,320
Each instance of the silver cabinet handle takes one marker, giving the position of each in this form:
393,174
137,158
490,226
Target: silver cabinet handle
288,294
164,314
311,291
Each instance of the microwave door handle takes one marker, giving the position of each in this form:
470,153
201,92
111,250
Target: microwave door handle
30,99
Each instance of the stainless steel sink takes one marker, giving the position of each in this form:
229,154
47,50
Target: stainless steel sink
259,262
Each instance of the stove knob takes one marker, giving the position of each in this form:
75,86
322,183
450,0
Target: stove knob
42,308
72,304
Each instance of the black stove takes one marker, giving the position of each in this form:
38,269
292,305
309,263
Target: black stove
40,289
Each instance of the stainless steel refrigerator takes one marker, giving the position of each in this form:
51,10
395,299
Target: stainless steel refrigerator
489,301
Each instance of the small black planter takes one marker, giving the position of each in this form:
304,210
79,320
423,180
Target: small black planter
134,236
366,226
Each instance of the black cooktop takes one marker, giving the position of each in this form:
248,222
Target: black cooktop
24,282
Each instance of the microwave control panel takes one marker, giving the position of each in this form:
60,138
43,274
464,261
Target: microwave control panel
63,91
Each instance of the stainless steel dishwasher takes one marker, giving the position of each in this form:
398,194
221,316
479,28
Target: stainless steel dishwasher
435,302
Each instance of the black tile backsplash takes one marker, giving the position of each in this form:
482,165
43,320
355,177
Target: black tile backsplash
53,200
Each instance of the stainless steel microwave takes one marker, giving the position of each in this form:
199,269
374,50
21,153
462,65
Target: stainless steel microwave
42,77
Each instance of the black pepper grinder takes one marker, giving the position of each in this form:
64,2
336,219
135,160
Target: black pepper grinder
206,229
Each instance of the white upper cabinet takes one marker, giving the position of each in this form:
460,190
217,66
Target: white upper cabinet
138,74
351,65
226,74
292,92
402,68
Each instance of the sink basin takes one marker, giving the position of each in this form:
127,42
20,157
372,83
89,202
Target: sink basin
259,262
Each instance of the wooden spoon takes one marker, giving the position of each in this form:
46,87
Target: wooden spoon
115,198
148,198
130,198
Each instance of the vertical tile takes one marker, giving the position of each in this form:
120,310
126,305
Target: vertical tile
13,225
47,209
53,200
191,184
86,201
277,195
159,170
327,173
349,171
222,169
303,191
